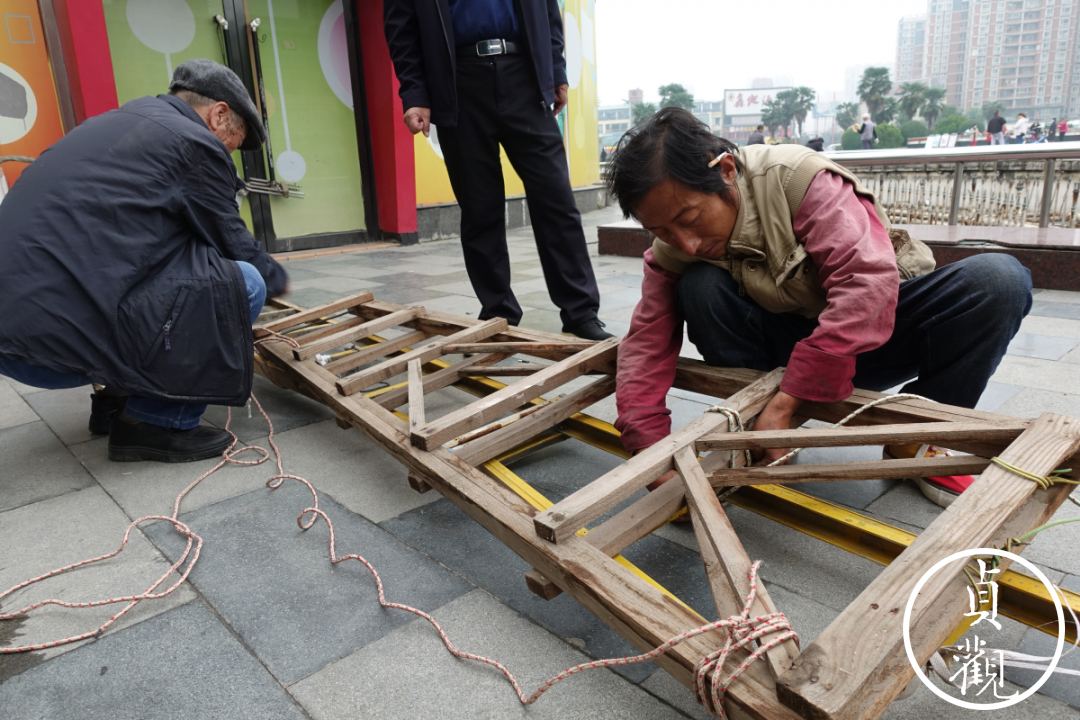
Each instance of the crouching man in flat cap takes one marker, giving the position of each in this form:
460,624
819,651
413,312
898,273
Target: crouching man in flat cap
124,263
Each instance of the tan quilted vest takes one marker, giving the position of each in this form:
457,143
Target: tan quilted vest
764,257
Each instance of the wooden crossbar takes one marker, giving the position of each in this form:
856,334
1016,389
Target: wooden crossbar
522,348
393,397
306,316
375,352
497,370
905,434
343,337
862,470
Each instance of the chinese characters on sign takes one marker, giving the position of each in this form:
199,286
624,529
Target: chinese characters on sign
748,101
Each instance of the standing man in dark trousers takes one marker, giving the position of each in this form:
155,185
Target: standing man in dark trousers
488,73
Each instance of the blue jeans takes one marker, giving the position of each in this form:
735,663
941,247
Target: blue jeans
167,413
953,326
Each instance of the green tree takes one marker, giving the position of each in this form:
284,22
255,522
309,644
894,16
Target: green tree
851,140
988,109
912,98
642,112
800,102
955,124
873,87
847,114
889,136
776,114
931,109
914,129
949,111
675,95
890,107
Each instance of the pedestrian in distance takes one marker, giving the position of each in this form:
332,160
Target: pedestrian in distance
776,256
1020,128
488,74
124,251
1063,127
817,144
1052,135
996,129
757,137
868,132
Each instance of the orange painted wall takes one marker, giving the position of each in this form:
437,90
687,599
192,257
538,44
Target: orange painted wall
25,60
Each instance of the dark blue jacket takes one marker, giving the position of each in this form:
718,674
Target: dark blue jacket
123,227
421,39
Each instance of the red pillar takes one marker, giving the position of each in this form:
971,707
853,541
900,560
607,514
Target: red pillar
87,58
391,141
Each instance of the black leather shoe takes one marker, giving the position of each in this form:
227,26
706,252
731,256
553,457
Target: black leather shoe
131,442
589,330
103,408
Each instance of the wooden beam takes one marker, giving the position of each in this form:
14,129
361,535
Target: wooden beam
726,561
312,314
374,352
416,395
858,665
513,348
352,334
639,612
418,484
563,519
491,407
496,370
394,397
862,470
940,433
490,446
395,366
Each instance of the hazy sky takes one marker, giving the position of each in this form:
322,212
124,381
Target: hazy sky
711,45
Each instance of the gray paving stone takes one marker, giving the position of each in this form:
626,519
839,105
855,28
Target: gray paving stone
1038,373
628,281
455,688
310,297
456,541
1060,687
1071,582
13,409
995,395
20,388
37,466
287,410
625,298
1031,403
545,320
1060,327
905,503
181,664
1056,309
1046,347
852,493
1058,547
151,488
624,314
672,692
66,412
273,583
337,284
925,704
1062,296
92,525
350,468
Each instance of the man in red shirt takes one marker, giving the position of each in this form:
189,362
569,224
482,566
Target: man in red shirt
943,332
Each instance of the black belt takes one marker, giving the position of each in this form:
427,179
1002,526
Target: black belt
487,48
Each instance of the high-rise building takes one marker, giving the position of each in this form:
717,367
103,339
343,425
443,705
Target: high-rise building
910,48
1017,52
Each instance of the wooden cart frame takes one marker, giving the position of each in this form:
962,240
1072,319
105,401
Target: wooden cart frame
857,666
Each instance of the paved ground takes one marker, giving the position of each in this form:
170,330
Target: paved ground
266,628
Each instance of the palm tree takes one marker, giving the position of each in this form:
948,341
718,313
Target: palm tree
912,97
802,102
932,106
873,87
847,114
887,111
775,114
642,112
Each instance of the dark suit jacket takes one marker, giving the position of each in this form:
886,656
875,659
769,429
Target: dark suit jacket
421,39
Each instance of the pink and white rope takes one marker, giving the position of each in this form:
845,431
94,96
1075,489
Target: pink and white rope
709,686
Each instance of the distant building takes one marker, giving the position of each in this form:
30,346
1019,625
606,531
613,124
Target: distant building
637,95
712,114
910,49
614,118
742,111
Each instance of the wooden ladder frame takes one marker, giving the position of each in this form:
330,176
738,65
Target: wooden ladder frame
450,453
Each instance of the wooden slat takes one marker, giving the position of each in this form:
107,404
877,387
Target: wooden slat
483,449
862,470
563,519
312,314
491,407
416,395
523,348
418,484
934,433
374,352
726,561
395,366
639,612
352,334
437,380
858,665
496,370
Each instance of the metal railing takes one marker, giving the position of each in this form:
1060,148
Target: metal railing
988,185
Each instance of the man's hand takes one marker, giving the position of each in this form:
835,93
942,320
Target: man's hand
560,98
418,119
776,416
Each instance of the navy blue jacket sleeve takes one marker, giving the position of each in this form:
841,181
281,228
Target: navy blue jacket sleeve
403,38
558,62
209,197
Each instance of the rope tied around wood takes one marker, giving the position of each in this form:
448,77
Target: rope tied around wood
1044,483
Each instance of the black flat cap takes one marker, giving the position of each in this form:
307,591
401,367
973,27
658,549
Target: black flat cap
217,82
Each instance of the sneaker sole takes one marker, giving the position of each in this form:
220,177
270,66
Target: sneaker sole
139,454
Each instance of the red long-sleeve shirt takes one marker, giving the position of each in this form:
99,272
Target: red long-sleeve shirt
857,267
